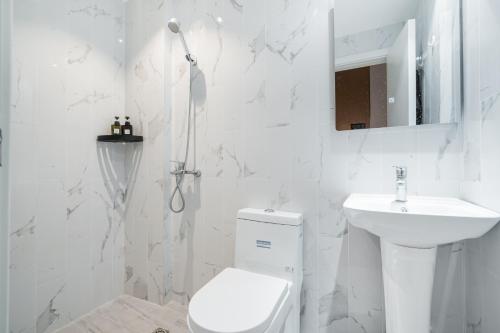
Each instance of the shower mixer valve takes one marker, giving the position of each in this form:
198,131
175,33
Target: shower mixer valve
181,170
196,173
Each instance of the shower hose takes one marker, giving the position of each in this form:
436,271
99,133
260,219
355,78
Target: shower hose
180,170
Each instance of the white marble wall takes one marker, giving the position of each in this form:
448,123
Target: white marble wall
482,160
68,193
264,139
5,29
147,271
257,98
367,41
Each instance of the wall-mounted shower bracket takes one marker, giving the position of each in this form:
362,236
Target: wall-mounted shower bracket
192,59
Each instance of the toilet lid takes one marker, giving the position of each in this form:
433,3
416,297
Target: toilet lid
237,301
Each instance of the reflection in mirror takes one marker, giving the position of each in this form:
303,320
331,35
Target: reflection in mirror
397,62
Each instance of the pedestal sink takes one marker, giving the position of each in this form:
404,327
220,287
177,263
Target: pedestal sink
409,235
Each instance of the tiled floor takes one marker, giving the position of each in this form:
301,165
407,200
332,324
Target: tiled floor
127,314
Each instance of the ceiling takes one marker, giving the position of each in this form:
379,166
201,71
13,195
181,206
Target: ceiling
353,16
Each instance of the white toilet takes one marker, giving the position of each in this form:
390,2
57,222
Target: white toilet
262,293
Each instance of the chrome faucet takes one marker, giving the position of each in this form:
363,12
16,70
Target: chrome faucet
401,188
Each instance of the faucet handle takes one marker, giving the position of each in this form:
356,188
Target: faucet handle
401,171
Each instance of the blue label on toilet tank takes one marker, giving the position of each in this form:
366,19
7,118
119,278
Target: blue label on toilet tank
263,244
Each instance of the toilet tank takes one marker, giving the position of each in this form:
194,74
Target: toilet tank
270,242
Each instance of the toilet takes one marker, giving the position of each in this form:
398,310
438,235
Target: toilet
261,294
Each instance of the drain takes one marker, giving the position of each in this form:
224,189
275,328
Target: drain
161,330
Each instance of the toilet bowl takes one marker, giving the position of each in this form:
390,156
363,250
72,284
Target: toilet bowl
240,301
261,294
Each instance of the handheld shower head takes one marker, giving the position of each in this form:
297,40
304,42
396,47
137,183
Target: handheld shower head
175,26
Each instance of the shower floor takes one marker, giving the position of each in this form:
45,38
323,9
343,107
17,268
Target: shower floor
128,314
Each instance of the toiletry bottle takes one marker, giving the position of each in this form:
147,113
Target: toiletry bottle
127,128
116,128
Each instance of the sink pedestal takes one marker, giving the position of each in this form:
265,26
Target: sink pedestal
408,280
420,225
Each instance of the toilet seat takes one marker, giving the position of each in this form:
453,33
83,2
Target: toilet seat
238,301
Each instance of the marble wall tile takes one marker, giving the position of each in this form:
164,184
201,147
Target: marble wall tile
367,41
480,159
366,302
146,75
490,321
449,297
473,286
66,230
22,254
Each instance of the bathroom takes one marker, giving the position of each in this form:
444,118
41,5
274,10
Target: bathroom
87,227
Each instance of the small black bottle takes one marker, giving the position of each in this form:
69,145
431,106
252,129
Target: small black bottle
127,128
116,127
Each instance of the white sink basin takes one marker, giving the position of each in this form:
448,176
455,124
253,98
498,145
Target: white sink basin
421,222
409,235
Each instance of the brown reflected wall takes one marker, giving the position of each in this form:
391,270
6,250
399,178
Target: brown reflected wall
361,97
353,97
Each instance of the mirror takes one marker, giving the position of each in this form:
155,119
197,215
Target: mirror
397,62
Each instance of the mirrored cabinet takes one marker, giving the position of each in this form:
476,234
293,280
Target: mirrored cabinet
397,63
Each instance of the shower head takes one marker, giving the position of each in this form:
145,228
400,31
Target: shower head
175,27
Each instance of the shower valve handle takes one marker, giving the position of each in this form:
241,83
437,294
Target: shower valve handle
177,172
